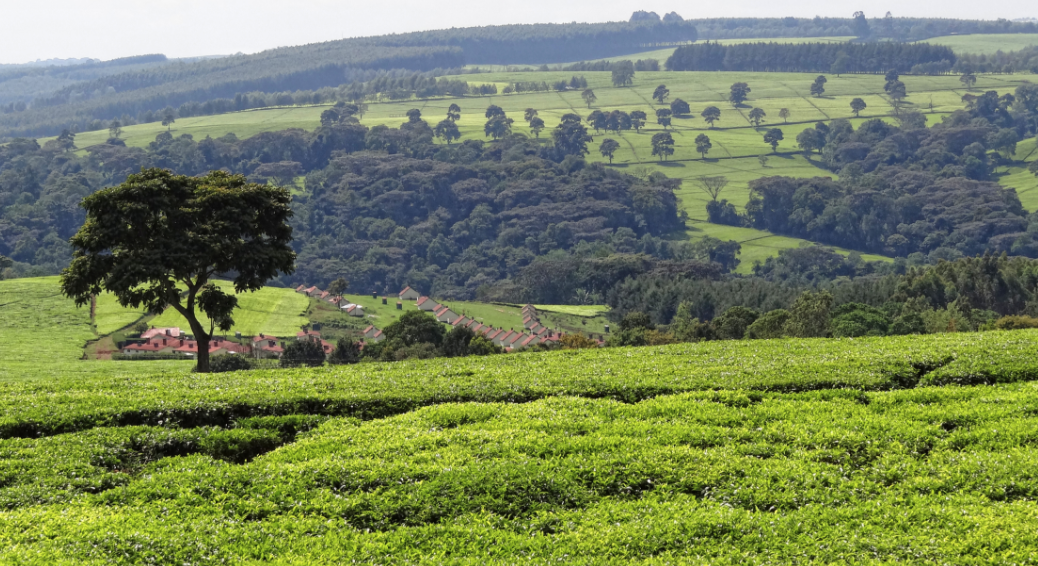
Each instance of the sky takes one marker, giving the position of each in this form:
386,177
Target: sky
107,29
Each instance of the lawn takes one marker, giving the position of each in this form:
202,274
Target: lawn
985,43
720,453
271,310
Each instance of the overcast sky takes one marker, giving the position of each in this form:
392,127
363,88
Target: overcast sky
106,29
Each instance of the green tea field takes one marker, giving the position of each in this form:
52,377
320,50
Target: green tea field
882,450
985,43
270,310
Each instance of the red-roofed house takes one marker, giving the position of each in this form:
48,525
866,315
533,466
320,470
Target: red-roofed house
515,340
409,294
323,295
311,290
530,322
308,334
503,338
267,346
427,304
172,332
463,322
369,331
378,336
495,335
154,345
531,341
476,328
300,288
445,314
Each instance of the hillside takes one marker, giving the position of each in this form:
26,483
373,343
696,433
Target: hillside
725,452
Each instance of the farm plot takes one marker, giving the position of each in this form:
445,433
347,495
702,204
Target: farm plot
716,453
270,310
38,324
985,43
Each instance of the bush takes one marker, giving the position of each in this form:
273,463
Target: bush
480,346
221,364
577,342
303,353
1016,323
140,328
346,352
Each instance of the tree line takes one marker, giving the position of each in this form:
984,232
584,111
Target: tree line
808,57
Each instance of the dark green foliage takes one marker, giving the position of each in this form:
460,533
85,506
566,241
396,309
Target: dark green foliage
637,320
305,352
769,326
772,137
855,319
807,57
226,362
733,323
456,342
739,93
346,352
810,316
679,107
415,327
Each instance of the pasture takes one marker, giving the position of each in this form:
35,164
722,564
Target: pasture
271,310
736,142
729,452
985,43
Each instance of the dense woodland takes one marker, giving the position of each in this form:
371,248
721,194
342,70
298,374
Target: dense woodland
811,57
860,25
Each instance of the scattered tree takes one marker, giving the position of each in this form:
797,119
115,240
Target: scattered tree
763,160
739,93
679,107
663,117
810,315
529,114
115,129
1004,141
638,118
168,118
158,239
454,112
897,91
712,185
447,130
571,137
414,116
711,114
660,94
597,120
663,145
968,79
589,97
498,127
757,116
857,105
66,140
784,114
703,145
818,87
338,286
494,110
608,148
536,126
413,328
810,140
623,73
772,138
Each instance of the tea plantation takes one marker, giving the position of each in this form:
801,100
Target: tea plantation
909,449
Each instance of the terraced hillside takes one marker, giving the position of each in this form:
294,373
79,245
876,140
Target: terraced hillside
737,452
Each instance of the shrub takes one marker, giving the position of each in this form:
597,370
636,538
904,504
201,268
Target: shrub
346,352
1016,323
480,346
220,364
303,353
576,342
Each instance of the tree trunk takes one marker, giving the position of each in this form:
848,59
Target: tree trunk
203,354
201,338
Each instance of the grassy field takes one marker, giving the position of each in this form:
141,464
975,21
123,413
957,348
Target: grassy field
719,453
110,316
271,310
736,143
986,43
38,324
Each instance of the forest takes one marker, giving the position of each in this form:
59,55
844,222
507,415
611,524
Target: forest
833,58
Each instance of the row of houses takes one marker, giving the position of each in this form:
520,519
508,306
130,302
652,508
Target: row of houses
351,309
174,342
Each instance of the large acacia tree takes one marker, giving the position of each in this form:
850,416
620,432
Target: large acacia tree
159,239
